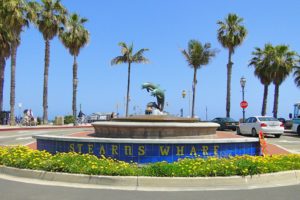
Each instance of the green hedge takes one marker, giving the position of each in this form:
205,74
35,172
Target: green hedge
69,119
23,157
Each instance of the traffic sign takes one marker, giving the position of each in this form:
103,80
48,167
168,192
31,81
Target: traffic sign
244,104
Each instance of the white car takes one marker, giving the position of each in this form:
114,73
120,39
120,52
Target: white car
268,125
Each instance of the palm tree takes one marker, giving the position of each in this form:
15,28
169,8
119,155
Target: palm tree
231,33
75,38
5,41
262,61
197,56
51,18
128,57
16,14
297,76
284,62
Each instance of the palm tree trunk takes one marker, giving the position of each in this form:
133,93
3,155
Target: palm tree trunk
128,87
2,70
229,72
75,83
276,97
265,99
194,92
45,87
13,82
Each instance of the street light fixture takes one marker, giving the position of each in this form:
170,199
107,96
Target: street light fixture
20,110
243,84
183,94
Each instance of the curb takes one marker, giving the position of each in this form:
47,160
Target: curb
256,181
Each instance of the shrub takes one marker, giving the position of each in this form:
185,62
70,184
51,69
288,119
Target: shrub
69,119
23,157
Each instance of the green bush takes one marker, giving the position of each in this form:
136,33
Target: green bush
69,119
39,121
23,157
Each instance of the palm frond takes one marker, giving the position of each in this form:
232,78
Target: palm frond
119,60
231,32
197,54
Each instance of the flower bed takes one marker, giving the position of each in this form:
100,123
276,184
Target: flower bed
26,158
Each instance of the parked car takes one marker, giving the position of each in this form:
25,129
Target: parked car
268,125
226,123
287,123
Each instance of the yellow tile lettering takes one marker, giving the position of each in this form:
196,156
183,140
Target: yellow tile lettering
79,146
128,150
180,150
91,148
216,148
71,148
193,151
205,150
141,150
102,150
114,149
164,151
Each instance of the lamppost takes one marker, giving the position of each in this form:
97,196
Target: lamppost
183,94
243,84
20,108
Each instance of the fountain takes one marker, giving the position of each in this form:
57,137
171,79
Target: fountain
152,138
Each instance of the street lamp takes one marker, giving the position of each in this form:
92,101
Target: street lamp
243,84
20,108
183,94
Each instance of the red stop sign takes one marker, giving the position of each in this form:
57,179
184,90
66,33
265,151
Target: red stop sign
244,104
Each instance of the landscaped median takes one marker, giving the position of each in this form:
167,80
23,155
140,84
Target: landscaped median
26,158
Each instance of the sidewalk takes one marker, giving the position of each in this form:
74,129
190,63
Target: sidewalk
41,127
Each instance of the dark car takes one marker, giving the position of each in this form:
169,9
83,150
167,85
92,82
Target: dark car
226,123
287,123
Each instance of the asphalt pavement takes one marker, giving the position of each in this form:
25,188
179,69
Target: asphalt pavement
19,190
24,136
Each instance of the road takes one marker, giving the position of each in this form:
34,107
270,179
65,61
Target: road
24,137
289,141
16,190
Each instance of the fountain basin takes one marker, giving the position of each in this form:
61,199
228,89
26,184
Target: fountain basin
154,130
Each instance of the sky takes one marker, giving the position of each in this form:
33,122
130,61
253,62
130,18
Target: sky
164,27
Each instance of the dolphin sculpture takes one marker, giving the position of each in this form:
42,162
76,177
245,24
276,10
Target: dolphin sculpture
156,92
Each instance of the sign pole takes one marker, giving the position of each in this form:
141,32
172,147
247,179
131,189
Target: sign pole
243,92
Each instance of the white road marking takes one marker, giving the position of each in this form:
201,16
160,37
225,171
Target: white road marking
24,138
287,141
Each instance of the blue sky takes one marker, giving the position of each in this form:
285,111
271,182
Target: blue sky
164,27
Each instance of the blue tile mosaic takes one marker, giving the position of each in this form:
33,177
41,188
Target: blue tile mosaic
149,153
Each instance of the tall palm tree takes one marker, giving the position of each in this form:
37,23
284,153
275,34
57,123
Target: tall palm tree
284,62
16,14
297,76
5,41
231,33
197,55
262,61
51,18
74,38
128,57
